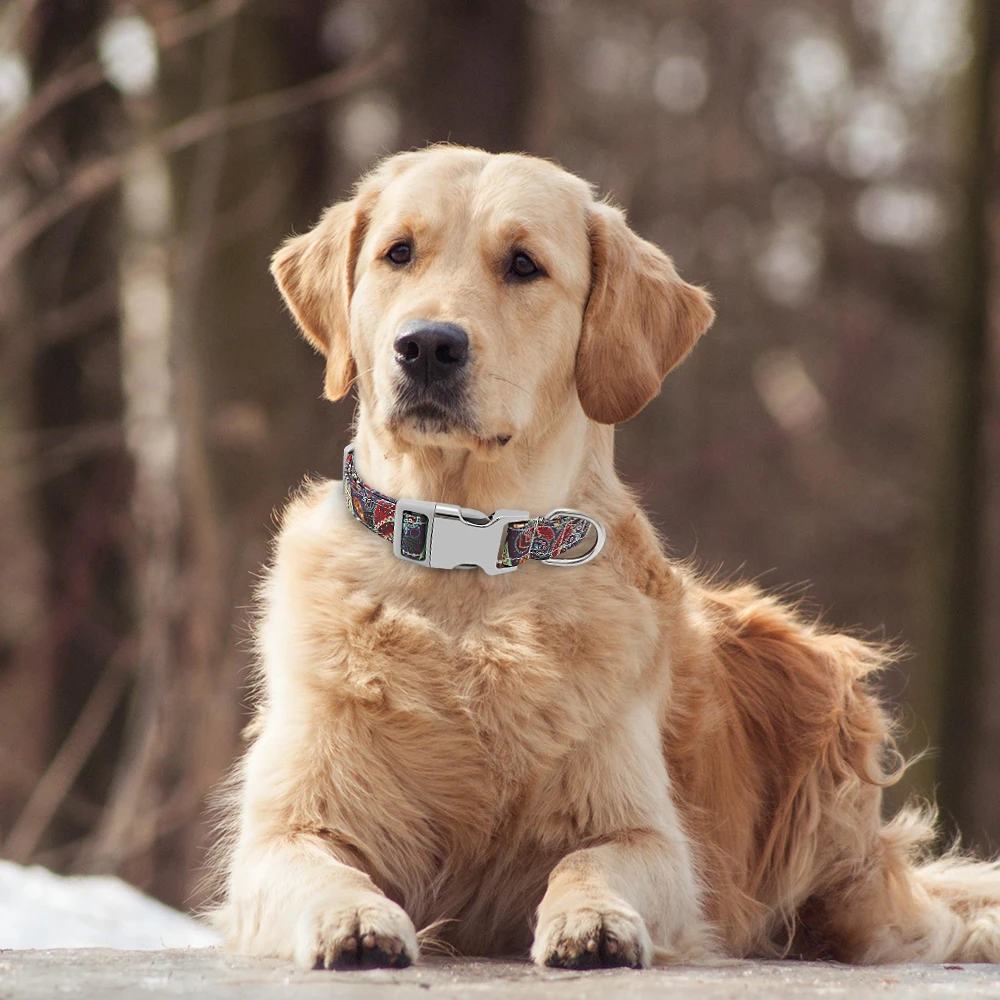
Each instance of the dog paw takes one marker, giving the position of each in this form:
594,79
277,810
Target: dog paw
591,934
350,931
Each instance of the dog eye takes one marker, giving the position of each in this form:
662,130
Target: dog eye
399,253
522,265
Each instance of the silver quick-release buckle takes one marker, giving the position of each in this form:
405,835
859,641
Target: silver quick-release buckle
457,537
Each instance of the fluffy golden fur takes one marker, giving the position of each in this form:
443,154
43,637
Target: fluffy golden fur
614,764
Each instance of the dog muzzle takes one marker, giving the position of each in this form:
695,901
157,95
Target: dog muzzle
444,536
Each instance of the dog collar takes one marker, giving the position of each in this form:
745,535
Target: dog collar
443,536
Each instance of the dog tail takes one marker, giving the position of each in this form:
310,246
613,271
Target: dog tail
926,908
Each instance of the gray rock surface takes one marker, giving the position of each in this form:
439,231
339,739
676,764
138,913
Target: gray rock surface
196,973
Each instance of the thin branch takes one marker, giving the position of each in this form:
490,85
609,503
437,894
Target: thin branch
182,809
58,779
58,450
94,179
56,91
210,160
54,326
64,86
197,22
13,19
64,322
237,221
74,806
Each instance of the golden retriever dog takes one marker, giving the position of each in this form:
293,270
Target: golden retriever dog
613,763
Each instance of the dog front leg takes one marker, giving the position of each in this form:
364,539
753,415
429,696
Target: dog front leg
633,897
626,902
289,897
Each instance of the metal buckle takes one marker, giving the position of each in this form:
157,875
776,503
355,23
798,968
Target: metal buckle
457,537
598,545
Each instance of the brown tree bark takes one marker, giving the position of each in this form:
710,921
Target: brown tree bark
26,682
969,676
72,474
468,76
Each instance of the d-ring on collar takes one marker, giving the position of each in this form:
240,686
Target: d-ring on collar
443,536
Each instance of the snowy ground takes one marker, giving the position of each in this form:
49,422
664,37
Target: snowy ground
39,909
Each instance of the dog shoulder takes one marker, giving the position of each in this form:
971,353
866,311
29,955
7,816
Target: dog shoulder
316,588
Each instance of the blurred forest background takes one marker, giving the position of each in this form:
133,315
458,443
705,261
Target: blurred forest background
829,168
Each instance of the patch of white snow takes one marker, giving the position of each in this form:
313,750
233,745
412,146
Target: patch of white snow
39,909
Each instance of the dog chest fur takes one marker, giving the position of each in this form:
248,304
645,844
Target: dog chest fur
452,699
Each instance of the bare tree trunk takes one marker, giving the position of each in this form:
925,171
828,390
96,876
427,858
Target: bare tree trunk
970,734
468,75
152,438
204,726
26,687
68,471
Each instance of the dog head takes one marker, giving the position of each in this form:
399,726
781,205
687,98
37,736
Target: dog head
476,298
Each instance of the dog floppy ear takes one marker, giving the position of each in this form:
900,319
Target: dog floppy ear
315,274
640,321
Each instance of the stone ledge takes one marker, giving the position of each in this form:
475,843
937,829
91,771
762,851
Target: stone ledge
101,974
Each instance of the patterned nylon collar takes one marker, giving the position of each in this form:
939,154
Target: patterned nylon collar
442,536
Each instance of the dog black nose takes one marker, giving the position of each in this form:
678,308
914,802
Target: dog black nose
430,351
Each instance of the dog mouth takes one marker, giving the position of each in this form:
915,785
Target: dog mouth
429,417
430,412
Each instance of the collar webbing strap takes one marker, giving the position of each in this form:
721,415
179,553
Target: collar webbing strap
443,536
